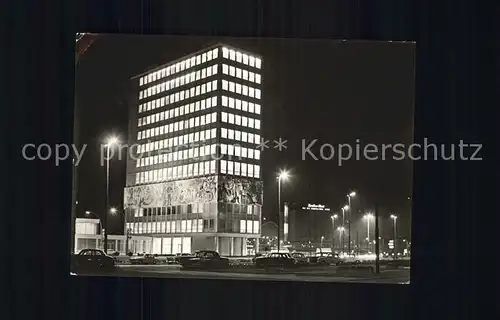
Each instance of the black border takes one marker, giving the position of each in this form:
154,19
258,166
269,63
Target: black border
453,90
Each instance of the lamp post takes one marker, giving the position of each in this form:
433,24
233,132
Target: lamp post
394,220
109,143
283,175
368,217
322,238
334,217
349,196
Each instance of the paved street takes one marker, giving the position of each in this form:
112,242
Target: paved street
329,274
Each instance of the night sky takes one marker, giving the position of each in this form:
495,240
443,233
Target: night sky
333,91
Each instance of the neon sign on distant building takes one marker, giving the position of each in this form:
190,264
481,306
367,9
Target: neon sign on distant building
316,207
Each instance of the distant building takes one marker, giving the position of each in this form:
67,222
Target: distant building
194,182
306,223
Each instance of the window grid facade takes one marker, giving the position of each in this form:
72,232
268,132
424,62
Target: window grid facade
199,116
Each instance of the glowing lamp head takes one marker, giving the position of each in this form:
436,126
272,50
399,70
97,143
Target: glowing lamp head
335,216
368,216
283,175
346,207
393,216
87,212
113,210
352,194
111,141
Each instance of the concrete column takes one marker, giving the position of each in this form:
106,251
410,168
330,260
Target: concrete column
242,245
216,242
231,248
257,245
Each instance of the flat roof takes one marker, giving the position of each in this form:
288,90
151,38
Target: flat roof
207,48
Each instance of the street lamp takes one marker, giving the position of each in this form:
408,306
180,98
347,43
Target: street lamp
394,220
109,143
283,175
349,196
368,217
334,217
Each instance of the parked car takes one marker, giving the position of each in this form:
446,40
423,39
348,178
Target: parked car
329,259
179,256
145,259
300,258
275,260
204,259
92,259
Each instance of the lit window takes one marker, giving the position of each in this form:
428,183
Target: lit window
207,134
202,121
140,94
238,120
225,53
237,169
202,104
245,90
231,118
251,61
232,71
232,55
244,122
256,154
257,138
224,101
214,101
238,57
225,69
215,53
231,86
204,58
245,75
191,123
223,148
245,59
224,85
198,59
230,167
209,71
256,171
214,133
209,55
241,105
224,132
257,93
237,135
230,134
203,88
257,63
214,85
188,63
203,73
231,103
223,166
209,86
207,118
238,88
141,81
243,168
224,117
257,78
250,153
238,73
257,124
251,92
214,117
214,69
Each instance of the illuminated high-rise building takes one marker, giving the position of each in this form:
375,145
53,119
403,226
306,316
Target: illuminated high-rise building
194,179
